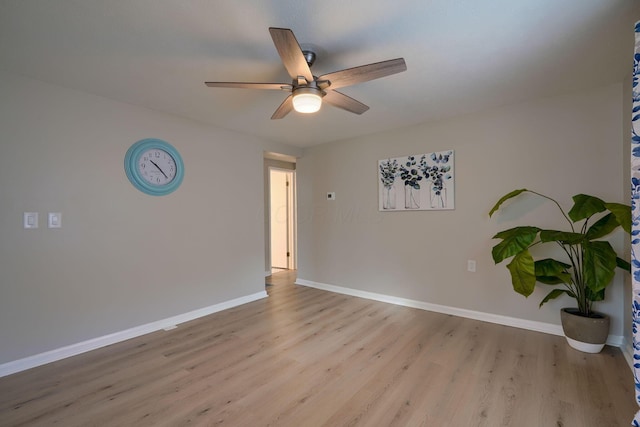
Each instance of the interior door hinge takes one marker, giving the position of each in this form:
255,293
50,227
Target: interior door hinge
288,254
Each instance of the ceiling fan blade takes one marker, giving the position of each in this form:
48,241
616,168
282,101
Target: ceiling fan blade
364,73
285,108
268,86
290,53
345,102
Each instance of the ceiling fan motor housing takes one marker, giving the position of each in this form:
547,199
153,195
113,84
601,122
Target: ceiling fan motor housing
309,56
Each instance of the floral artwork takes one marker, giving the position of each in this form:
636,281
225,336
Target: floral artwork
417,182
635,217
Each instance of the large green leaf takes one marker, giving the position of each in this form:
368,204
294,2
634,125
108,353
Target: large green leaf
561,236
514,240
550,267
555,294
594,296
515,231
552,272
584,206
504,198
599,261
523,277
554,280
622,214
602,227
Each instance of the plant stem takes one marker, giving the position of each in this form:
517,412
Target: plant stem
574,255
558,205
585,226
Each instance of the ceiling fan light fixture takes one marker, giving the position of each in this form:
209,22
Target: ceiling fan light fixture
307,100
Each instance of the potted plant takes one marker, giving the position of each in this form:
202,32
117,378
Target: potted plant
587,268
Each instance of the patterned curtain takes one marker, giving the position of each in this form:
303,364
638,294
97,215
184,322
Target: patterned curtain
635,206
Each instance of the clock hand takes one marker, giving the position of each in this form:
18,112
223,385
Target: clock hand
154,164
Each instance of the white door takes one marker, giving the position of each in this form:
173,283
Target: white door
282,215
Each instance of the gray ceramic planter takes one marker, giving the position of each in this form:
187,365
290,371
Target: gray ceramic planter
587,334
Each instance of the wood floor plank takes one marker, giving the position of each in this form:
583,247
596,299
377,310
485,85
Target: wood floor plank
307,357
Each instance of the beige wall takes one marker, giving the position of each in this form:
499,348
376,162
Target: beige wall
560,146
122,258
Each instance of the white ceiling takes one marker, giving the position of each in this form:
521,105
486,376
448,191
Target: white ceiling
462,55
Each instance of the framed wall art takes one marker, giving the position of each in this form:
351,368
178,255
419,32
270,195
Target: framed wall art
420,182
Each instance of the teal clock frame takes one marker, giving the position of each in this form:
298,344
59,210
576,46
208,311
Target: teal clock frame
133,156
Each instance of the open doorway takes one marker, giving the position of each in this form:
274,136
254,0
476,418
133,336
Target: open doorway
282,219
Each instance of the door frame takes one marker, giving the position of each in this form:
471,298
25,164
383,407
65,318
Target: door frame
292,220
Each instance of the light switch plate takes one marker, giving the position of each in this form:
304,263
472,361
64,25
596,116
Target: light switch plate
55,220
331,196
30,220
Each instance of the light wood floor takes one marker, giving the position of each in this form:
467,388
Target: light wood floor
306,357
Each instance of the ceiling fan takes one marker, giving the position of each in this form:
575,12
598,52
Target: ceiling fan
307,90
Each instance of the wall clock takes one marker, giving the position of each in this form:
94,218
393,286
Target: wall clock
154,167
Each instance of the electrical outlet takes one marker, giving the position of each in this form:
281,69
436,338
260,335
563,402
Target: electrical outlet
331,196
471,265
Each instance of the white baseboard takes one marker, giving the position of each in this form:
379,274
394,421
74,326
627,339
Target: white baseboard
95,343
531,325
267,273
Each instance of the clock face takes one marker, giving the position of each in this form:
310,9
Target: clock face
156,166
